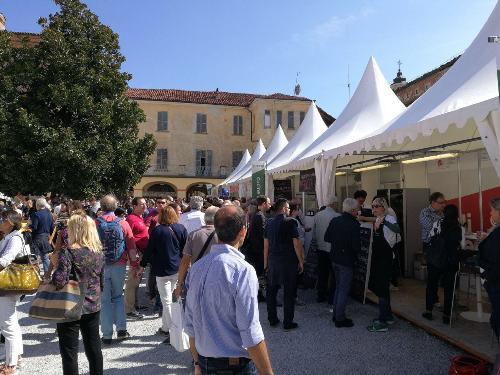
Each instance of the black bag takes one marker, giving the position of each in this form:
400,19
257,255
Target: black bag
436,254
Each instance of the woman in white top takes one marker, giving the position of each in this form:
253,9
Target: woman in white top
11,247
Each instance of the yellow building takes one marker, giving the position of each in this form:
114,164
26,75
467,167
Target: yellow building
201,136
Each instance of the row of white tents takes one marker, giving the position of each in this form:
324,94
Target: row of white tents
460,112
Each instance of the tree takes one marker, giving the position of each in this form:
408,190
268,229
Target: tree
66,125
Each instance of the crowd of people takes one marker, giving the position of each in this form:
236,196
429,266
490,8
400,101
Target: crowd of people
221,258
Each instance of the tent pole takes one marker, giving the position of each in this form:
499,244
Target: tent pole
459,172
303,202
347,184
480,181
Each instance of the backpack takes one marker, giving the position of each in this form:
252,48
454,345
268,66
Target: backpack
112,238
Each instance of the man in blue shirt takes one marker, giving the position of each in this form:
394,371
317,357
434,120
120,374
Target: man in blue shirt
41,227
284,254
222,314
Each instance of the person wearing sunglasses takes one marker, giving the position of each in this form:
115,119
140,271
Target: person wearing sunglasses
385,236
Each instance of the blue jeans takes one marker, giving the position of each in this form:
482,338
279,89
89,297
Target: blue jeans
214,366
343,279
45,262
112,305
384,306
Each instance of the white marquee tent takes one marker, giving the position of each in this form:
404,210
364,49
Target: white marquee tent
244,160
257,154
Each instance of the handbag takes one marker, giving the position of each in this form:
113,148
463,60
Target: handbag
178,338
60,305
21,276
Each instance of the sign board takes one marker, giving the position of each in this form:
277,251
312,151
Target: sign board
282,189
307,181
258,179
361,275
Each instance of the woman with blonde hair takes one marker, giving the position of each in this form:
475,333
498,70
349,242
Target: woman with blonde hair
81,260
164,253
385,236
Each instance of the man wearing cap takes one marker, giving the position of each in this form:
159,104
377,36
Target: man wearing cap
321,222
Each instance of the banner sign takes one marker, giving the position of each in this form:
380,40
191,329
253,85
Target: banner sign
282,189
362,264
307,181
258,179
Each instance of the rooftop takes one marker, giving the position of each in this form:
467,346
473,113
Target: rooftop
214,98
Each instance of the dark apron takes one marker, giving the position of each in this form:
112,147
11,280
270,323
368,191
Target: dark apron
381,264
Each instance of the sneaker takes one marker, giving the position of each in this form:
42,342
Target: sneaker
290,326
162,332
378,326
20,362
106,341
427,315
274,323
346,323
388,321
122,335
135,315
141,308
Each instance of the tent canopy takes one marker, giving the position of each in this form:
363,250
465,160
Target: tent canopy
372,106
244,160
277,144
257,154
467,92
310,129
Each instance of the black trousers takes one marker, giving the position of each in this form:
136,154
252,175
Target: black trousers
88,325
447,277
289,294
325,271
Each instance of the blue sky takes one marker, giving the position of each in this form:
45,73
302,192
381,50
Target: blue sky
258,46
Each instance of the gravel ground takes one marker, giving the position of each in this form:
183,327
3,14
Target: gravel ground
317,347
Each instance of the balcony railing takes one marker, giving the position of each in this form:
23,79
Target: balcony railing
189,171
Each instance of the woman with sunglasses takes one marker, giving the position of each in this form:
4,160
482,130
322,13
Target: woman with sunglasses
385,236
11,247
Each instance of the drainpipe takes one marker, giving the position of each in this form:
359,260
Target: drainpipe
251,125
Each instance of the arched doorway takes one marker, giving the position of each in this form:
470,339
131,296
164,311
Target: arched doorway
160,189
200,189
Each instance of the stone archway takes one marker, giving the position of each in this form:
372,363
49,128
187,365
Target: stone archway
159,189
199,188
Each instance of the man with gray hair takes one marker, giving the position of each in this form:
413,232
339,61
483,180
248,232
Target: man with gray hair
41,227
344,236
119,247
195,218
197,245
321,221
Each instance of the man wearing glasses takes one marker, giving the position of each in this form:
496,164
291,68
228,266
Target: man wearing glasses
152,219
429,215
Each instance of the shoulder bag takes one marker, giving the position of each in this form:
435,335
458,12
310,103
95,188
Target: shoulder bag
22,276
60,305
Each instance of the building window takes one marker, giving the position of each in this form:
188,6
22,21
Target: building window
162,122
201,123
279,116
416,92
161,159
302,116
291,120
267,118
203,162
238,125
237,156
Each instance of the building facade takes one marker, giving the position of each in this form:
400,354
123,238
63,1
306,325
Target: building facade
201,136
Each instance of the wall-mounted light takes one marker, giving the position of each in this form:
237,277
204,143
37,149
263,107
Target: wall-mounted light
371,167
429,158
340,173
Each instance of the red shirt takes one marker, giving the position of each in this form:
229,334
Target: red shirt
140,231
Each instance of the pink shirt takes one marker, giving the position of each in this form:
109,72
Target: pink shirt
130,248
140,231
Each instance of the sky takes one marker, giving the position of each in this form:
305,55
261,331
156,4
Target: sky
259,46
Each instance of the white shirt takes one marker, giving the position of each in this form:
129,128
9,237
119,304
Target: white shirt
321,222
11,247
192,220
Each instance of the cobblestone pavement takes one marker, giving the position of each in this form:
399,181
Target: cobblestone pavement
317,347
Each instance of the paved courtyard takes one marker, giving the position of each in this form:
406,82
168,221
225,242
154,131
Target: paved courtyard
317,347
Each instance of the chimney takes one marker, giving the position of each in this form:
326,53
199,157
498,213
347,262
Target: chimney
2,22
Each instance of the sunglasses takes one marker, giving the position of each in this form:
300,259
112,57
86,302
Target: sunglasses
376,206
161,202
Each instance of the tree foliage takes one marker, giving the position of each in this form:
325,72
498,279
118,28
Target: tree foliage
66,125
